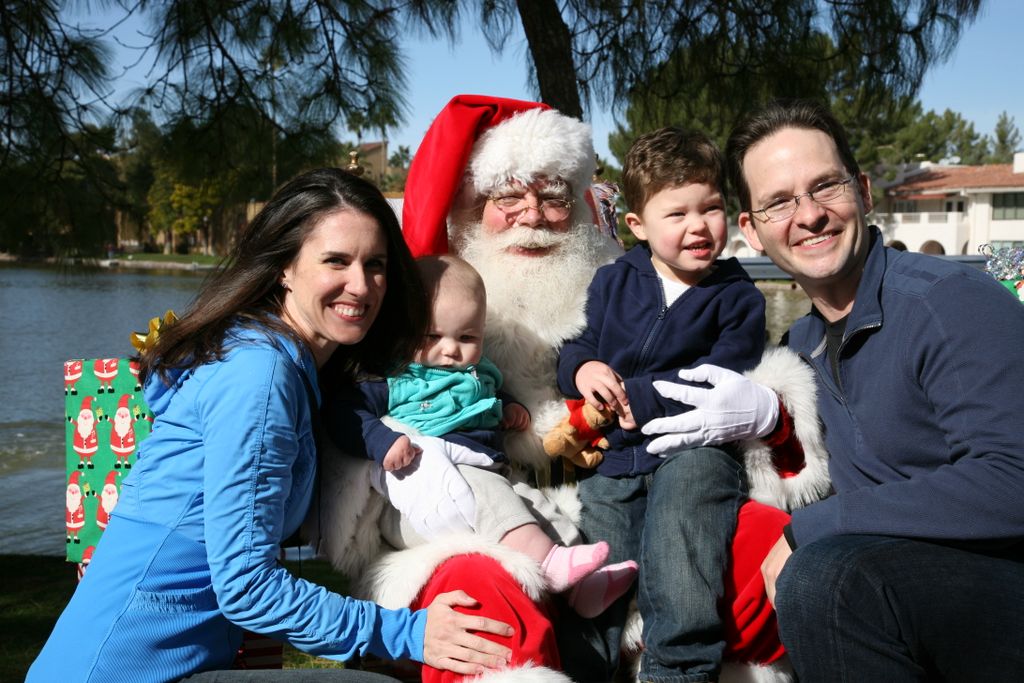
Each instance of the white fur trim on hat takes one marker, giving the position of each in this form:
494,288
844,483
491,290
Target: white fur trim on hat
530,144
782,371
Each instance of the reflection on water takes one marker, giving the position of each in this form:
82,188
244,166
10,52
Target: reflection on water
48,317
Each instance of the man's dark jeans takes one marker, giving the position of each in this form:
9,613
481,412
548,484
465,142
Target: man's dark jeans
871,608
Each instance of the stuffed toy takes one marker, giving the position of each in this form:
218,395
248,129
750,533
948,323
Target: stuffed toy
578,437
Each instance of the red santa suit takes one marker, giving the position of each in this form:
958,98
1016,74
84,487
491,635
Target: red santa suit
85,441
108,500
74,508
522,337
105,370
122,433
135,367
72,373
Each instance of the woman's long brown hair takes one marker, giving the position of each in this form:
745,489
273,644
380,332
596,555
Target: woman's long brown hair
245,289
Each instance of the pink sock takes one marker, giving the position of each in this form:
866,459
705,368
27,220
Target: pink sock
601,588
564,567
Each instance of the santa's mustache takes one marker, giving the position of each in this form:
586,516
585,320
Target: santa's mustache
526,238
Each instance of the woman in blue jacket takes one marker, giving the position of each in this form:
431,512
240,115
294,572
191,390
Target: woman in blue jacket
319,287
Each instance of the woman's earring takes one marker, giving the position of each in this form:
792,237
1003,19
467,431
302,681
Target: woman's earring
285,287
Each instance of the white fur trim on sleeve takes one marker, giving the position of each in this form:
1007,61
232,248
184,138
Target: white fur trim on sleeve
523,674
782,371
396,578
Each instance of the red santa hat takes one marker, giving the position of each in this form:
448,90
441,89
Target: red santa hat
123,401
111,478
87,403
75,478
478,142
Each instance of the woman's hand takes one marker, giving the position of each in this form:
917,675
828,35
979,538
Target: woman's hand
450,641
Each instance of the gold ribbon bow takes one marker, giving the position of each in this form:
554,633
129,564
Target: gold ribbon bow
144,341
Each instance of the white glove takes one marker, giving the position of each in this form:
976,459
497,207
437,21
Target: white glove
430,493
464,455
732,409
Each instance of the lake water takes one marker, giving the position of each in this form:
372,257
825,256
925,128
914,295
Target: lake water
48,316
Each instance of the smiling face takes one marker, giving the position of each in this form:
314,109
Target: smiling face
456,333
335,286
684,225
822,246
496,221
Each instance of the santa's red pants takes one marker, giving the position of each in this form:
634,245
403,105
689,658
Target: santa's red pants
751,629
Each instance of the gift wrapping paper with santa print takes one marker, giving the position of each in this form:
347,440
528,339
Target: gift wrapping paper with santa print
106,419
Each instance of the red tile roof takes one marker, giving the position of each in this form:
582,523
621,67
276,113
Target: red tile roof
940,178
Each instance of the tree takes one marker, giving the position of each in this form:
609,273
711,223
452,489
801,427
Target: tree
1006,140
581,49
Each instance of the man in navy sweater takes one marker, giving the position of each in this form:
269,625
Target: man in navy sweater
914,568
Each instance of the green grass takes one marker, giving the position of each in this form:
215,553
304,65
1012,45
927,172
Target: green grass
36,589
201,259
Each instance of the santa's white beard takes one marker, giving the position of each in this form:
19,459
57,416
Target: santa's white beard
73,500
534,305
86,423
546,293
108,499
122,422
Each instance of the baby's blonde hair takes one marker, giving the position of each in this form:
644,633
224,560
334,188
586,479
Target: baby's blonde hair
450,271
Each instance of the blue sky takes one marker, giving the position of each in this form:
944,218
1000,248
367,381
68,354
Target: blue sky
982,78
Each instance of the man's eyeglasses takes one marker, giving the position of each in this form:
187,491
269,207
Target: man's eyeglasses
782,208
552,209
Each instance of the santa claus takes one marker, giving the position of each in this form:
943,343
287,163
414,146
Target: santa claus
74,507
85,441
72,373
122,434
108,499
105,370
536,266
86,559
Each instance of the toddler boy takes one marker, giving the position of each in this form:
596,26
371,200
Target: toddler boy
669,303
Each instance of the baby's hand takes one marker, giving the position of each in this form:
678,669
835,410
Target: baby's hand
515,417
400,455
601,386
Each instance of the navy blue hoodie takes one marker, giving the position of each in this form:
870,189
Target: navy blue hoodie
720,320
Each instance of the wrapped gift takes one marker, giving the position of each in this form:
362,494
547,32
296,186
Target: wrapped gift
1006,264
106,419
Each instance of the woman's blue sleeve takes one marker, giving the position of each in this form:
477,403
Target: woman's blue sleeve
258,477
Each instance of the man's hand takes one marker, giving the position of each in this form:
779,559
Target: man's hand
400,455
450,641
773,564
514,417
732,409
601,386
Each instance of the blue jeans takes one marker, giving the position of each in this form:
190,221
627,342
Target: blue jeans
678,523
873,608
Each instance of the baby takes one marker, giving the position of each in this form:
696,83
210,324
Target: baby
451,391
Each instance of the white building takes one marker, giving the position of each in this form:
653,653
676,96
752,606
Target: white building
940,209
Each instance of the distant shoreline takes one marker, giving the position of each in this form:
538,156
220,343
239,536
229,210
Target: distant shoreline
126,262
